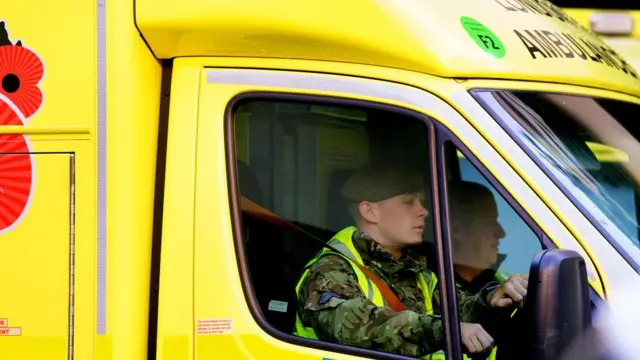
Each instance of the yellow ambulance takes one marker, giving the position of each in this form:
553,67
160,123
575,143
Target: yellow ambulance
615,21
175,164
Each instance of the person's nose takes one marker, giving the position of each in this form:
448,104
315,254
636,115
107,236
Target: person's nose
500,233
422,210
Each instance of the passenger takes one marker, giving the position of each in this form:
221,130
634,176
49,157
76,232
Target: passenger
475,236
338,303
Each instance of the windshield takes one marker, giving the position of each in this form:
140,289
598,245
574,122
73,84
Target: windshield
588,146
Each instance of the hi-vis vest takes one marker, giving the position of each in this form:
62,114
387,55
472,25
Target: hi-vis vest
501,278
343,242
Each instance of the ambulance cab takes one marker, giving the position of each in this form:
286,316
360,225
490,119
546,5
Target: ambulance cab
167,168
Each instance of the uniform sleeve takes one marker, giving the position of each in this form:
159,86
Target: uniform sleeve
333,304
473,308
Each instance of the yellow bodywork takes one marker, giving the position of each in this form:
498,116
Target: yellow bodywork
627,45
38,252
421,36
54,257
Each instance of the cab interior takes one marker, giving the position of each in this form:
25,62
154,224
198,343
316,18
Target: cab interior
293,158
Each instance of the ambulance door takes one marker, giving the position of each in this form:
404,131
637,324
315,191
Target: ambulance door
36,251
272,150
267,145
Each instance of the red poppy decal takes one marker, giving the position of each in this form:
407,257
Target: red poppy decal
16,180
20,72
7,115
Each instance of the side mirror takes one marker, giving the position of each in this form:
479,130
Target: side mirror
557,308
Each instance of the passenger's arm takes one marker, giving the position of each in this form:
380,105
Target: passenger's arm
332,302
473,308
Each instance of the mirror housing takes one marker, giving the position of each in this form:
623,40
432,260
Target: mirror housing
557,309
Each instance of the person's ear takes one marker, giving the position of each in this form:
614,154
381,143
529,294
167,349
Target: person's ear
369,211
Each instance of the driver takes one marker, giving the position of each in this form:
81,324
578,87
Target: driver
338,303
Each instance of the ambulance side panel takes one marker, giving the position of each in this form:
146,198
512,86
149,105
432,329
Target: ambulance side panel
85,289
48,287
37,281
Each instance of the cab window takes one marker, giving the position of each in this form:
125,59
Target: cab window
293,156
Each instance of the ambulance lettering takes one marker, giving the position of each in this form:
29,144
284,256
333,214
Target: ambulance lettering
543,44
540,8
21,71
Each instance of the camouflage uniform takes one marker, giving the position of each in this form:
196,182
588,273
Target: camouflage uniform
330,300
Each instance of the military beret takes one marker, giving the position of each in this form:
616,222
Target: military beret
380,182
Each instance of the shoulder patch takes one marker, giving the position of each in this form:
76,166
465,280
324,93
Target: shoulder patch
326,296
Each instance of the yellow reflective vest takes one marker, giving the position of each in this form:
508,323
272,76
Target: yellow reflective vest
343,242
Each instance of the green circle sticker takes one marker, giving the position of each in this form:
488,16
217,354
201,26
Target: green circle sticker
484,38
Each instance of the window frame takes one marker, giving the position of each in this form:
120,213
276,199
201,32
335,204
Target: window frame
445,283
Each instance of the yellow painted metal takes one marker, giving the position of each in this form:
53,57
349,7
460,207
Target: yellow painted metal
425,36
175,313
35,306
65,40
133,78
627,45
583,16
